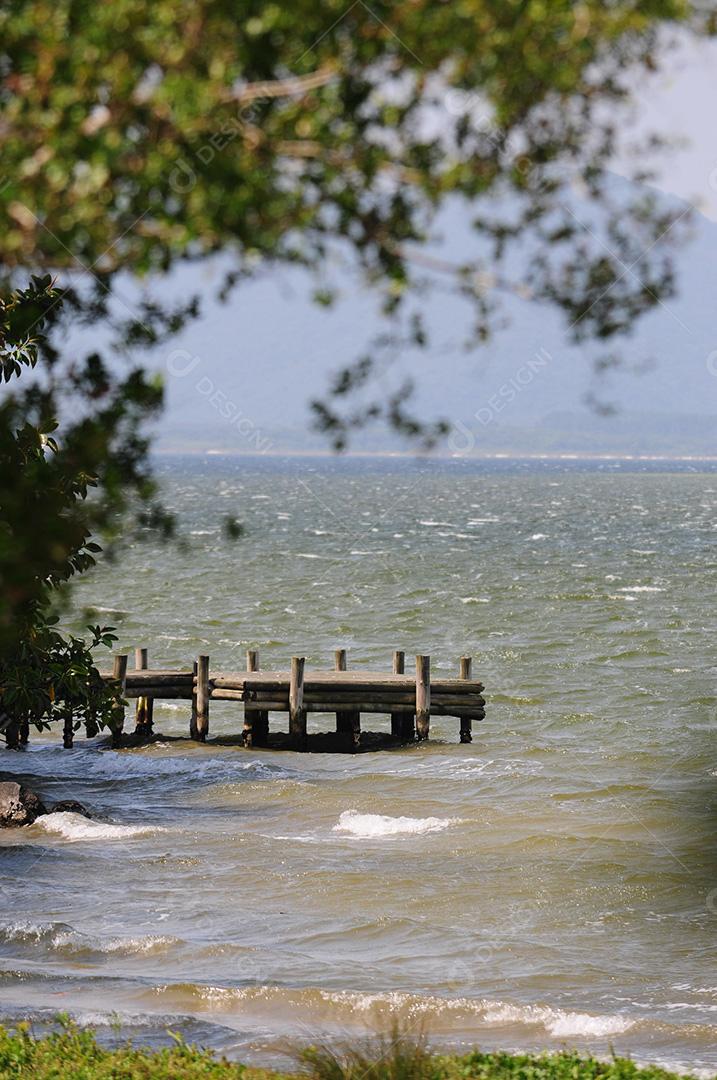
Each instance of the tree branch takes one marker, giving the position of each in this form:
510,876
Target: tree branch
275,88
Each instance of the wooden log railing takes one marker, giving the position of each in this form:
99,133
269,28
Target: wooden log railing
410,701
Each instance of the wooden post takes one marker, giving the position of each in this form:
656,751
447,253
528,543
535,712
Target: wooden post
91,725
12,735
348,721
145,706
193,715
119,674
343,719
249,713
397,718
423,697
256,721
466,663
68,733
355,728
202,698
297,712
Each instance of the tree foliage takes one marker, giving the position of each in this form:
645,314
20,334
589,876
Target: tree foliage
60,487
138,134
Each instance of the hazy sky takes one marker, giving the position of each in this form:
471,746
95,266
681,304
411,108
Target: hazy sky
681,101
270,350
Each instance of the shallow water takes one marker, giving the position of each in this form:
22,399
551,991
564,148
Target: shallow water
554,882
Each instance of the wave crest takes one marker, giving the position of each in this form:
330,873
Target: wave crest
375,825
76,827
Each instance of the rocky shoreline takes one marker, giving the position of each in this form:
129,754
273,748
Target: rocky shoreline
19,806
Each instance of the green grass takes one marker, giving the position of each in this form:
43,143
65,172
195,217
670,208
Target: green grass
73,1054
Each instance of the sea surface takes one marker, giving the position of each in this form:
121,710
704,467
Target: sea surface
553,883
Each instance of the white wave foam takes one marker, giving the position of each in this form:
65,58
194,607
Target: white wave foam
474,599
557,1023
151,943
641,588
76,827
573,1023
375,825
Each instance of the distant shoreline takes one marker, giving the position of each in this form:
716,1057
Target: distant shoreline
417,455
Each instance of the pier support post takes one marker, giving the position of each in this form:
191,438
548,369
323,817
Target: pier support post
144,716
12,735
423,697
348,721
466,663
91,726
256,721
68,733
297,712
401,724
193,714
201,699
119,674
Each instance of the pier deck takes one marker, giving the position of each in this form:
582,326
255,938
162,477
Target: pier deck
409,700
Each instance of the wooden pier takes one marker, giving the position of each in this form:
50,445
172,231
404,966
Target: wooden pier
409,700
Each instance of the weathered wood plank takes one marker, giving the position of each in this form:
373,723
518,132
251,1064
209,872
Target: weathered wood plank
220,694
158,678
372,680
237,680
168,693
364,707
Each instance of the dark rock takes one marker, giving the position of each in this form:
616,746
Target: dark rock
69,806
18,806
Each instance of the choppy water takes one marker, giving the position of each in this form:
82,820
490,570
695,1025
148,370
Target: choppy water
555,882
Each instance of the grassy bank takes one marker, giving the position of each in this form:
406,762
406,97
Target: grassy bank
73,1054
